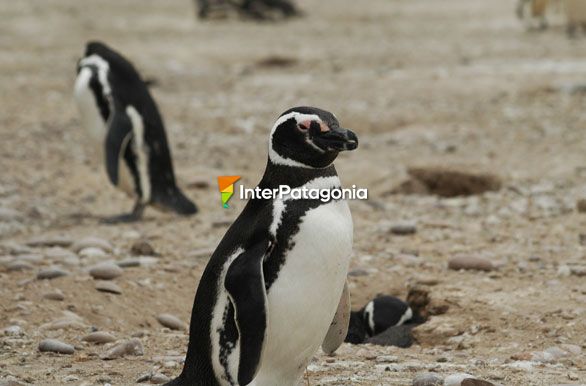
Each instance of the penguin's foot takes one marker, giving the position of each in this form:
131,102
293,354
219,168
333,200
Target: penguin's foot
135,215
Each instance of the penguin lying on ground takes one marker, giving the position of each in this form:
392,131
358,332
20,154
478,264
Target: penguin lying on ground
274,289
376,317
122,117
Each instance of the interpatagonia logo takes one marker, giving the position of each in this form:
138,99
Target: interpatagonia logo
226,186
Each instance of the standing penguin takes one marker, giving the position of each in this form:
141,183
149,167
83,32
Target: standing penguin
274,289
122,117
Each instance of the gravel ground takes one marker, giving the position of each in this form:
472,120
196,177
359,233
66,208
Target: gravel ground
451,84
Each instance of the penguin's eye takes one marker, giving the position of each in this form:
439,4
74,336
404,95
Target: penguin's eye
304,126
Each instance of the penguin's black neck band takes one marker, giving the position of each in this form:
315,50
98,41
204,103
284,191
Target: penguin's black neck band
292,176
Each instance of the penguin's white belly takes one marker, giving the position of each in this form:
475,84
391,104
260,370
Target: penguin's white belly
303,299
88,109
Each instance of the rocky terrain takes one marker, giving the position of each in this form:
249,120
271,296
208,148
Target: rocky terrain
472,146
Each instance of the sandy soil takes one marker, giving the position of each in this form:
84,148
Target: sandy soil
453,82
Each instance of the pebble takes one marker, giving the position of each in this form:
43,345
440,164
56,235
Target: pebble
105,271
94,242
476,382
142,248
403,229
17,266
54,295
456,379
127,263
172,322
51,273
358,272
7,214
10,382
471,263
108,286
427,379
13,331
387,359
159,378
99,337
63,324
92,253
129,347
56,346
31,258
50,241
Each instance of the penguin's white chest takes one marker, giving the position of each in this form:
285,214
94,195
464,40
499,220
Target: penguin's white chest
88,109
303,299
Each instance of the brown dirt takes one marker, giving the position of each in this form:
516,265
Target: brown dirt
421,82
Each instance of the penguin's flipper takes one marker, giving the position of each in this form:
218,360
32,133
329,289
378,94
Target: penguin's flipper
339,327
245,284
119,134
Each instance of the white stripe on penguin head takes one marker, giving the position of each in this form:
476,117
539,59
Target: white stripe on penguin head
277,158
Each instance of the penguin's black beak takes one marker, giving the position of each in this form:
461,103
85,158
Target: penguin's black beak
337,139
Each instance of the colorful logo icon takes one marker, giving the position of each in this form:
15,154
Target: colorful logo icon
226,185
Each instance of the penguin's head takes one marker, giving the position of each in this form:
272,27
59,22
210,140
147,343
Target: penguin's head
308,137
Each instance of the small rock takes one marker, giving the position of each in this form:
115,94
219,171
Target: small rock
94,242
129,347
7,214
31,258
99,337
108,286
172,322
471,263
476,382
92,253
456,379
128,263
50,241
403,229
358,272
159,378
54,295
105,271
51,273
56,346
13,331
17,266
142,248
387,359
427,379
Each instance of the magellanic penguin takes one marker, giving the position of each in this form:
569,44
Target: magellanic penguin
274,289
377,316
122,117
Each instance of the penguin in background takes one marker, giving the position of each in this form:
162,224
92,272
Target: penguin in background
376,317
122,117
275,288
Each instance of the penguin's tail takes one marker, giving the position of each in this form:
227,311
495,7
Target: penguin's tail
174,199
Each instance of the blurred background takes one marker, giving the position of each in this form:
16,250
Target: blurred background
471,125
